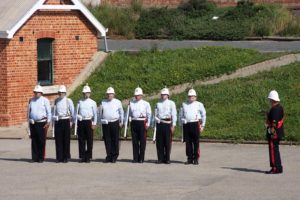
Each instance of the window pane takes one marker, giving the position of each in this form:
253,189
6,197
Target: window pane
44,49
44,72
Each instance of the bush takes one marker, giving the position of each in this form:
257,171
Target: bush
193,20
119,21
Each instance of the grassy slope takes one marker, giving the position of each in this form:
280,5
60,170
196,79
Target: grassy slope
233,106
152,70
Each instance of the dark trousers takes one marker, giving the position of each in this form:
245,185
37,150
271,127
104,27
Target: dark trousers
139,136
192,136
111,140
85,139
163,141
62,139
274,153
38,141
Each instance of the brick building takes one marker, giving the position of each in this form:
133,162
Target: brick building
41,41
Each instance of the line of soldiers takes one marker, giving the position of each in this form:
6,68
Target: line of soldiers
110,115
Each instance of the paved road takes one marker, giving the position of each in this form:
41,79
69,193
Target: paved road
226,171
263,46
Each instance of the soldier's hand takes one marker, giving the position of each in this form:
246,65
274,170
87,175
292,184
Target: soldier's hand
93,127
46,126
121,125
201,129
172,129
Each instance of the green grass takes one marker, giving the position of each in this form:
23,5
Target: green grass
233,107
152,70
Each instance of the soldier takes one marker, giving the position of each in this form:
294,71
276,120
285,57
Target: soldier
140,114
39,117
62,118
111,118
275,132
87,120
193,118
165,119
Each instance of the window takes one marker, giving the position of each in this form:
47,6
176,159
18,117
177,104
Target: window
45,61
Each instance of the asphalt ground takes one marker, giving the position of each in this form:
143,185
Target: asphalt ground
260,45
226,171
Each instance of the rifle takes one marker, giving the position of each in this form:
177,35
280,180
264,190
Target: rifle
100,109
126,122
155,126
182,132
53,123
76,120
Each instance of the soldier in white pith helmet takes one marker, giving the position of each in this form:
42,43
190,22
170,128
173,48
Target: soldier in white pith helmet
140,114
39,118
63,116
87,121
165,117
111,118
193,119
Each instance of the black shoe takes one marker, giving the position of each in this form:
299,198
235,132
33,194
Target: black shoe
167,162
114,160
107,160
188,162
81,160
158,162
65,161
88,160
196,162
134,161
141,161
41,161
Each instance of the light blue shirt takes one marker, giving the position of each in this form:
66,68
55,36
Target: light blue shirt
64,107
39,108
140,109
193,111
112,110
87,108
166,109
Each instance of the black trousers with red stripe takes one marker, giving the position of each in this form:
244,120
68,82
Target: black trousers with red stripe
139,136
192,136
38,141
111,140
163,141
85,139
62,139
274,154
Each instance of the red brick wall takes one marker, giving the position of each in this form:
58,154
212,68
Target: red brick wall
3,78
57,2
70,56
174,3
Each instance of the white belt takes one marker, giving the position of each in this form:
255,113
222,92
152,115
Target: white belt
66,117
40,121
138,119
191,121
86,118
110,121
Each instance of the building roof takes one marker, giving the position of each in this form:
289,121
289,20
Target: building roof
15,13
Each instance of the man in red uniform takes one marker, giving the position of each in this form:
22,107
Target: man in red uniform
275,132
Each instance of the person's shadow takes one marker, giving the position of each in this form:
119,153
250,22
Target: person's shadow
245,170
